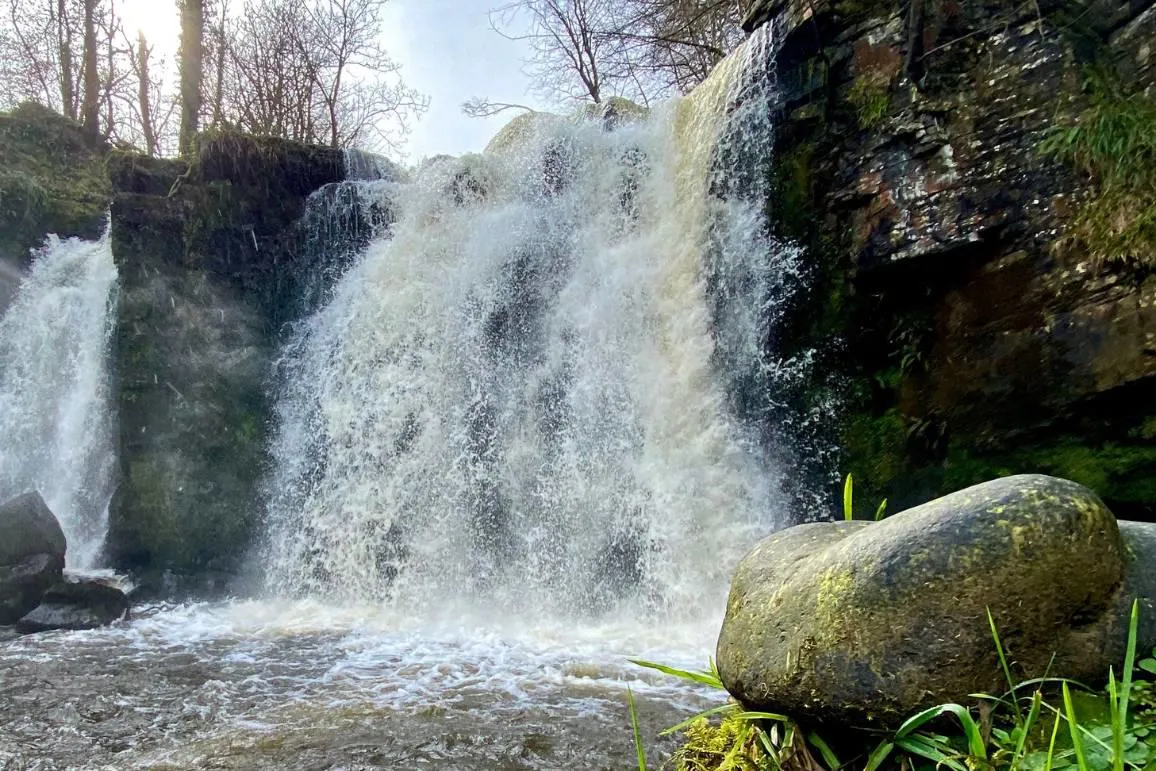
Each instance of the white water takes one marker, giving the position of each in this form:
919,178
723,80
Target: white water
517,402
520,443
55,420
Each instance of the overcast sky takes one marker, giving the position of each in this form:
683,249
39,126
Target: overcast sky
447,51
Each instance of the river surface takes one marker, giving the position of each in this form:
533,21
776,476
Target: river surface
260,684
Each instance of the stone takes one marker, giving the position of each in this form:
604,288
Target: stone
865,623
935,235
74,603
32,549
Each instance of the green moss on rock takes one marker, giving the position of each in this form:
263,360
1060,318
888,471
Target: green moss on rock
52,180
866,622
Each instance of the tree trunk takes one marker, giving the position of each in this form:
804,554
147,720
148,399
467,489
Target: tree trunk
90,107
222,50
67,75
143,95
192,43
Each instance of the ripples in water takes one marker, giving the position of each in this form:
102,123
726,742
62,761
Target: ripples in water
248,685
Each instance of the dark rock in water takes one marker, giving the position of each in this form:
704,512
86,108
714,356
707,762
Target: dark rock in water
76,603
31,554
865,623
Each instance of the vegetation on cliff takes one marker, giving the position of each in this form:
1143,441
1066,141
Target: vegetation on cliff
52,180
1112,141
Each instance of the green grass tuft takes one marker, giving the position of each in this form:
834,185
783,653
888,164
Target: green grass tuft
1112,142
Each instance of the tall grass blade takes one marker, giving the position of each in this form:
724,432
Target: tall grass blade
638,748
975,744
1117,725
828,755
881,511
1129,662
1074,730
706,678
1026,728
1011,684
933,751
878,756
848,492
1052,744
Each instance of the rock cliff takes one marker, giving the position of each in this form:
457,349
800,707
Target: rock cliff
982,287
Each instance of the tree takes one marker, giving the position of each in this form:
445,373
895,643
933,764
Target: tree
191,70
144,94
640,49
570,40
90,105
315,72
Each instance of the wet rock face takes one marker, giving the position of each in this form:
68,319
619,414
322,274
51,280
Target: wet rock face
32,549
214,257
867,622
909,163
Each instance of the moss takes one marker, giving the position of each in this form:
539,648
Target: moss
728,745
52,179
870,95
1118,473
794,192
875,448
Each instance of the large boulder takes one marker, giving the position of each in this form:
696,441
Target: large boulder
76,602
31,554
866,622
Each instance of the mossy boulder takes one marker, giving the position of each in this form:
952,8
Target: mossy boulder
864,623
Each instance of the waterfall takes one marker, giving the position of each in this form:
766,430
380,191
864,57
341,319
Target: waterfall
55,418
525,395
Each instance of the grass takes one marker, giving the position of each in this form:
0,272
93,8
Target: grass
1111,142
870,95
849,502
1113,728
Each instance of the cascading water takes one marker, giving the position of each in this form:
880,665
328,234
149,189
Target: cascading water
522,436
55,418
521,399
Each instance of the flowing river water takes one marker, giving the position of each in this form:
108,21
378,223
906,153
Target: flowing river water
521,440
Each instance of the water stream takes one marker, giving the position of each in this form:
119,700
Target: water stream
519,440
55,420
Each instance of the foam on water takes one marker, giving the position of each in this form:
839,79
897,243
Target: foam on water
55,417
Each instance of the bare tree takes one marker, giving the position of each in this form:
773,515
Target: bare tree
480,107
315,72
640,49
36,44
90,104
191,68
569,40
74,57
144,94
67,77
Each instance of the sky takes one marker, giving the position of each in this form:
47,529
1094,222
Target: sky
447,51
